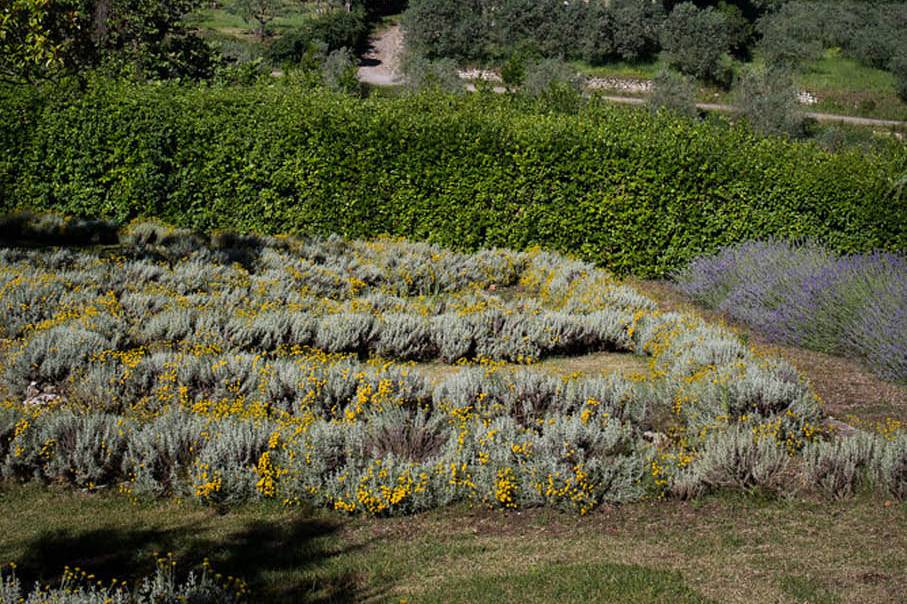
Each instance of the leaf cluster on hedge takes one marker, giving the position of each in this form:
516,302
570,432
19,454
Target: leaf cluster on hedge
628,190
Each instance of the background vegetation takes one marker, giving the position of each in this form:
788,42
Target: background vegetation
626,189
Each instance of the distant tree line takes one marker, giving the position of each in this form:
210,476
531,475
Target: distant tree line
701,39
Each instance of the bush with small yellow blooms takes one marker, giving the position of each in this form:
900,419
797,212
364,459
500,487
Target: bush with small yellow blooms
232,368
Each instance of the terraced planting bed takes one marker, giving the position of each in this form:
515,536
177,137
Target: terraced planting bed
389,377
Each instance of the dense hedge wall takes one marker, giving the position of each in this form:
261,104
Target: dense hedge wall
630,191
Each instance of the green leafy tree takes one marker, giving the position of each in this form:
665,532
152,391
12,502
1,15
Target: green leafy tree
636,27
768,100
741,30
550,27
790,36
672,91
598,44
46,38
513,71
259,12
696,41
441,28
898,67
35,37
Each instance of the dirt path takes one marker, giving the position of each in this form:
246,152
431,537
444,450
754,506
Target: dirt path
820,117
380,65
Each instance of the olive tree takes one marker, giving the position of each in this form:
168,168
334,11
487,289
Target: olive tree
696,41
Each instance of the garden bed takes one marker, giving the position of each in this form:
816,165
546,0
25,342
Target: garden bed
233,368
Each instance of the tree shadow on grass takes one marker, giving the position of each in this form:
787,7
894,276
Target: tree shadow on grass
283,561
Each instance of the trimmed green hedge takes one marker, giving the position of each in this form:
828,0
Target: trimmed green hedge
622,188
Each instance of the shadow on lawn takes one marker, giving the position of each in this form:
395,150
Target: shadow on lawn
280,562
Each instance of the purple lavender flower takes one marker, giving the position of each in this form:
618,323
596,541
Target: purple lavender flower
800,293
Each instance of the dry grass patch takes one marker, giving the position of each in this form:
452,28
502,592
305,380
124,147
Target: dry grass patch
586,365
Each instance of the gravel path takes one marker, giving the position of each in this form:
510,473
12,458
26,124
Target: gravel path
820,117
379,66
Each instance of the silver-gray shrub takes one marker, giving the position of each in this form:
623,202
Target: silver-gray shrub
750,390
557,273
424,74
411,388
105,385
554,332
29,302
268,330
453,336
471,386
511,337
162,586
700,346
50,356
842,466
574,440
606,450
196,275
892,469
142,271
530,397
768,100
735,458
84,449
339,71
160,454
23,459
673,92
608,329
613,396
381,303
409,435
347,332
230,453
172,325
404,336
321,453
139,305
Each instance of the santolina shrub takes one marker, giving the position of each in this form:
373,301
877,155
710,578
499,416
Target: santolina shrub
805,294
200,371
80,587
619,187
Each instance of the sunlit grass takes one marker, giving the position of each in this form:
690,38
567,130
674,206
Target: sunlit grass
225,22
723,549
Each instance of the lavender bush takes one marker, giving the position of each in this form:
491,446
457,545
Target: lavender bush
804,294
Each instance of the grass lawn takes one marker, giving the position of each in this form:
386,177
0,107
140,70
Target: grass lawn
845,86
842,85
720,549
223,22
